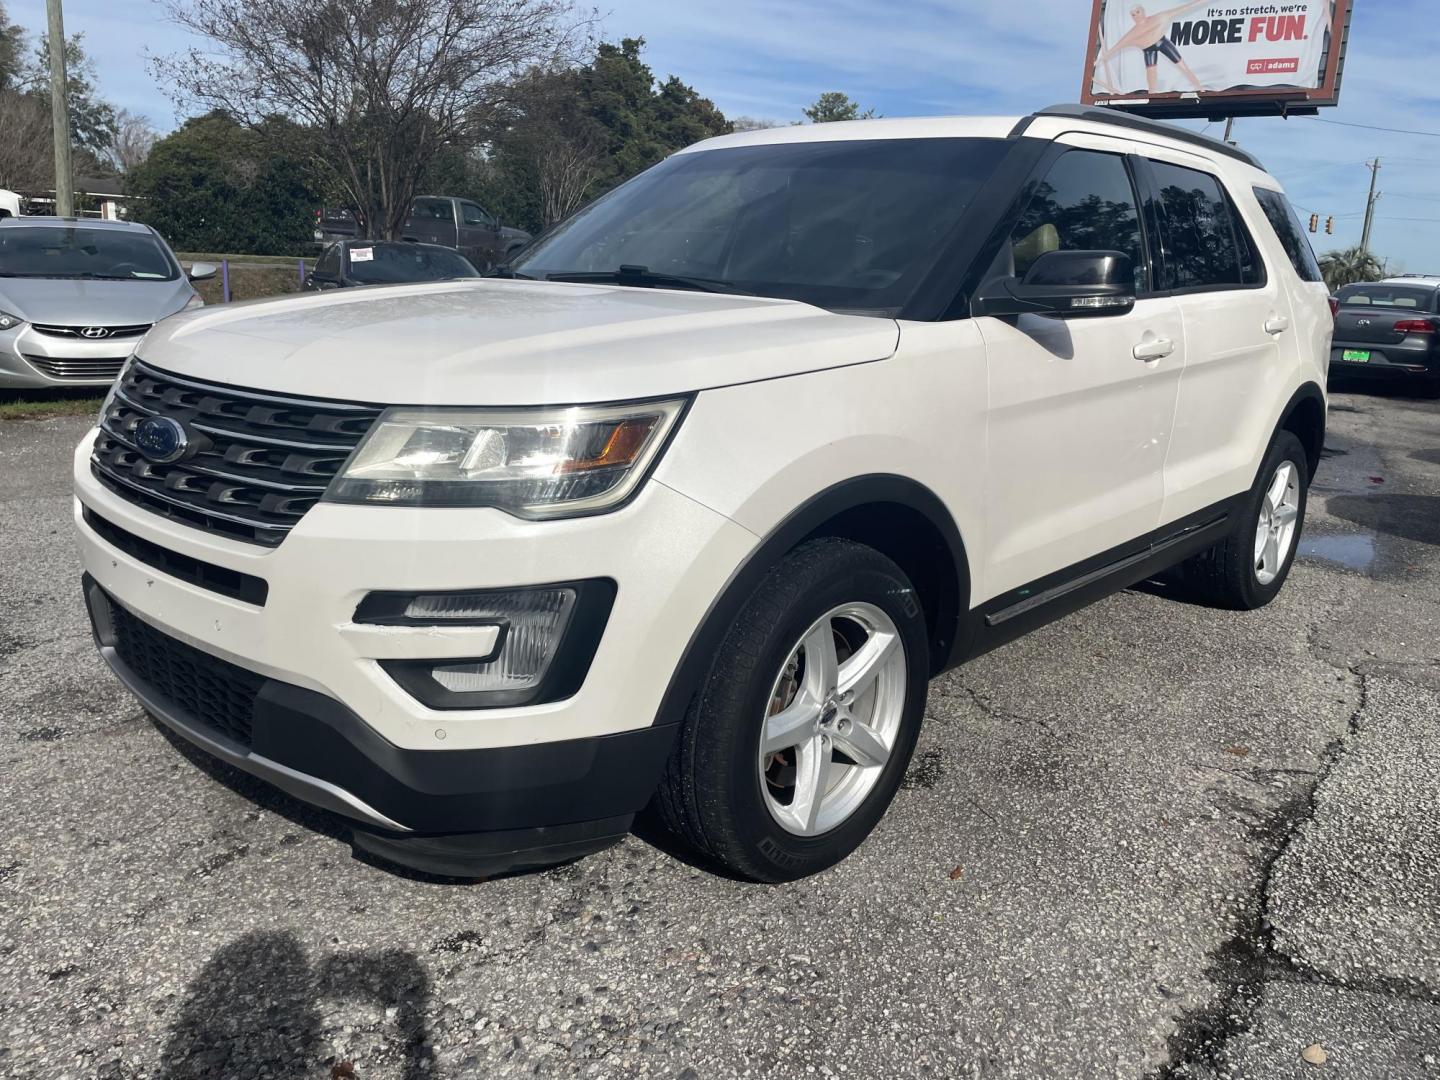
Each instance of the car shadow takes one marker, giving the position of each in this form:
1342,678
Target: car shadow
254,1008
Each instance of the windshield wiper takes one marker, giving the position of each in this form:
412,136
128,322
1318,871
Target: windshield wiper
503,271
643,276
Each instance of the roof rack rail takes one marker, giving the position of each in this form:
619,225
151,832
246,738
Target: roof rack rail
1100,114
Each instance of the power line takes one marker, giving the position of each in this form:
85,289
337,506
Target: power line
1373,127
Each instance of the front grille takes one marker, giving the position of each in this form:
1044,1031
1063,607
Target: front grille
79,331
203,687
89,367
263,460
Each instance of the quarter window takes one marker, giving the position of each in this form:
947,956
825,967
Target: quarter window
1204,242
1085,203
1281,216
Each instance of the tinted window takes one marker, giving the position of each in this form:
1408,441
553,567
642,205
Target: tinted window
1281,216
1085,203
329,264
433,210
1399,296
846,225
473,215
79,252
378,264
1198,232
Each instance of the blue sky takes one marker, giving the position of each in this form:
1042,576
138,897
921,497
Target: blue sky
767,59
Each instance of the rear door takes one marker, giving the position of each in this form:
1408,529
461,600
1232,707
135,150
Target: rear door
1080,408
432,221
1236,317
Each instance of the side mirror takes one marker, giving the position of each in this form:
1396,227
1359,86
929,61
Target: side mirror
202,271
1069,284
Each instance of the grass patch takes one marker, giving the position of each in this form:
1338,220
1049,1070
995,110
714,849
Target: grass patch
44,404
252,283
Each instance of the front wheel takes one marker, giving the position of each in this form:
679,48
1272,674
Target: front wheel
799,736
1247,569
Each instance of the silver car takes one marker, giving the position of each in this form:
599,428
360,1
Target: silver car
77,294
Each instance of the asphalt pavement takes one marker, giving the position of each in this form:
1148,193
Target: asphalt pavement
1153,840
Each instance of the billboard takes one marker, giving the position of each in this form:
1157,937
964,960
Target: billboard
1214,59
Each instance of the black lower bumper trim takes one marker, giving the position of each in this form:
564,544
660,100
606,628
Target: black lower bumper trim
482,855
548,790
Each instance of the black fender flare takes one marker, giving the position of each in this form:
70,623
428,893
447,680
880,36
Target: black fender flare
809,517
1308,391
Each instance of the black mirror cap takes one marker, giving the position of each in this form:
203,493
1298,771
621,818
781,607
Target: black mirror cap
1067,284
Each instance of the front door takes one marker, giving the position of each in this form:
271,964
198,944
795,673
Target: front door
1080,409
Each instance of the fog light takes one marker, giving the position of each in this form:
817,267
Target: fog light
532,624
547,637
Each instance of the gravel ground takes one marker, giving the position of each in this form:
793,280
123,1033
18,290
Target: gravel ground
1152,840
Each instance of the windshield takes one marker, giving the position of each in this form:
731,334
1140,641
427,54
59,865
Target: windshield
1396,296
66,251
379,264
850,226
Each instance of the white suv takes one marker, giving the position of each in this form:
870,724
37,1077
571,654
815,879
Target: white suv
687,506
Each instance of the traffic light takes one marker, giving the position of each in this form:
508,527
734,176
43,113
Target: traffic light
1330,224
1314,222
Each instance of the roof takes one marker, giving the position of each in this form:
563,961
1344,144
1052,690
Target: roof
975,127
1405,279
30,222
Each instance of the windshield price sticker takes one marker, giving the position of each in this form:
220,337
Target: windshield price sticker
362,255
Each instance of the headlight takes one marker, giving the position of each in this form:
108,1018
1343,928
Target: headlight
8,321
531,463
195,301
114,387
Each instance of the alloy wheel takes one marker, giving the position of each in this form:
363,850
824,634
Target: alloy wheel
1275,531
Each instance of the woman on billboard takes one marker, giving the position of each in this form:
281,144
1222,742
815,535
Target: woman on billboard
1148,35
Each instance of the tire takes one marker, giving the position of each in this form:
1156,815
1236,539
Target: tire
1232,574
718,796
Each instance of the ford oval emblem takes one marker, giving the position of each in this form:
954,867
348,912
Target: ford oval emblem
161,439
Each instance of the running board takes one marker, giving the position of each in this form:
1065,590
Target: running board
1155,551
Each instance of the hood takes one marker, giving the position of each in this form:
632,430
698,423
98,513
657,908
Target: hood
503,342
71,302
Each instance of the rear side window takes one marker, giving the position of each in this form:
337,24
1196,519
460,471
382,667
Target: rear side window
1205,243
1085,203
434,210
1281,216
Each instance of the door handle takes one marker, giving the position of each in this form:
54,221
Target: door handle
1277,324
1154,349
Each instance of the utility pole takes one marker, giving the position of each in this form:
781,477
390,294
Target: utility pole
1374,167
60,113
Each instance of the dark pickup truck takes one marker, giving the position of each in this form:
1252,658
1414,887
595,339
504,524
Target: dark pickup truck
464,226
1389,330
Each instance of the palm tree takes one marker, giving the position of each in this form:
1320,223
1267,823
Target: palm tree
1344,266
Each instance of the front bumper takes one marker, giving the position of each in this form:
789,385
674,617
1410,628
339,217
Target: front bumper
470,812
30,360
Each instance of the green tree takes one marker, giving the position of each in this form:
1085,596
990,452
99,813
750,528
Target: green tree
1344,266
12,52
92,119
568,135
834,105
215,185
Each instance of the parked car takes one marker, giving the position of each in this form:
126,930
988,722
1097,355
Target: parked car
337,223
464,225
76,294
688,508
1390,330
381,262
9,204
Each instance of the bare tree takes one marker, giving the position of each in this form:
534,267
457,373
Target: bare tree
27,158
380,85
550,130
134,139
753,123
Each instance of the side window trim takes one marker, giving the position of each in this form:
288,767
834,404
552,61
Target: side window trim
1027,190
1238,230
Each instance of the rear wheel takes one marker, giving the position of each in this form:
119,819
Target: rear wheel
1247,569
801,732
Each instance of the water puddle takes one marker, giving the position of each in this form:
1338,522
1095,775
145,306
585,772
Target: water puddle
1350,550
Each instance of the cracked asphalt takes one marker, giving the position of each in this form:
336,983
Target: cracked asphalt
1152,840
